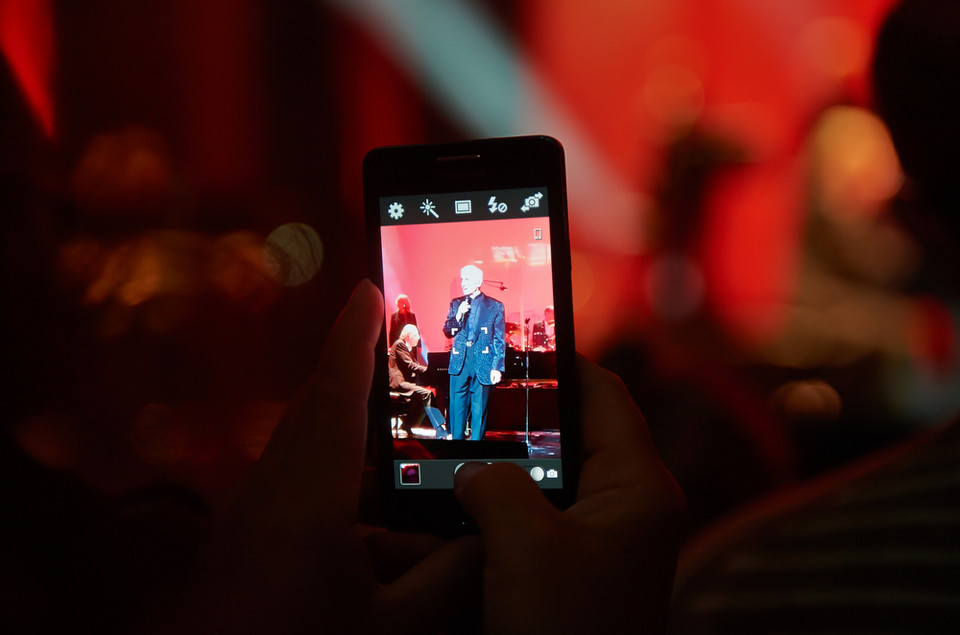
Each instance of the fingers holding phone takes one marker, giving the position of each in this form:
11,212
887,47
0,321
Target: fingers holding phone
604,565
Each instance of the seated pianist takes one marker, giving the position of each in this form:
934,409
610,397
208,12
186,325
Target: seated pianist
404,365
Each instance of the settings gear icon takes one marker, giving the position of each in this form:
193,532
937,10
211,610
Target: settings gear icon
395,210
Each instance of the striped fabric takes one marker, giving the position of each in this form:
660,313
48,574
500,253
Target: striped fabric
874,550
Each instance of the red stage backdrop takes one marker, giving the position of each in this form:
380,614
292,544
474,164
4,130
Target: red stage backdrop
424,262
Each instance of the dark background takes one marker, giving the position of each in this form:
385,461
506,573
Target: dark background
737,255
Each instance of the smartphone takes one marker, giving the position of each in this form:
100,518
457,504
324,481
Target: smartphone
469,244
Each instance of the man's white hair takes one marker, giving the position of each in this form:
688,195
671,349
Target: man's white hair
473,271
409,329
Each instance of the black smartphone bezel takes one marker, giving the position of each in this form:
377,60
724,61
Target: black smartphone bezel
485,164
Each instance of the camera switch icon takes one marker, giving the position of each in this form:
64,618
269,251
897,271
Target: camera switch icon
531,201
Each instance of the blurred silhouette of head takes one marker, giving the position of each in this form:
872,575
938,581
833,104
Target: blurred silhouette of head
916,75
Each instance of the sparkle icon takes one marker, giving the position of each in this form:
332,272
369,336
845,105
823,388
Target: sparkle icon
429,208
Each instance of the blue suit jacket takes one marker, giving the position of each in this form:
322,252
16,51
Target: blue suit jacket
490,342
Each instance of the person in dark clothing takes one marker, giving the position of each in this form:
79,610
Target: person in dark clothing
872,548
404,365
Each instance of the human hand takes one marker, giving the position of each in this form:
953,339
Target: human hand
604,565
462,310
289,556
495,376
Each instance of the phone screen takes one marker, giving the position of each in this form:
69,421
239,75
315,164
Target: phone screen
468,281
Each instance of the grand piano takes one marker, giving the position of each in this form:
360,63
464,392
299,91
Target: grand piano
527,390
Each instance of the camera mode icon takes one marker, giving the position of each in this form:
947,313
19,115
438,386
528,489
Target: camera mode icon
531,201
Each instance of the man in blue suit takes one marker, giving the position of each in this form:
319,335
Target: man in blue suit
475,322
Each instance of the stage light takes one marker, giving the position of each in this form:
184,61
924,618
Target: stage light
464,61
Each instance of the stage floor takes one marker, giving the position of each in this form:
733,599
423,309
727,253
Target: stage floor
542,442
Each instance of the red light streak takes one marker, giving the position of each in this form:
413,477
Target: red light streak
26,39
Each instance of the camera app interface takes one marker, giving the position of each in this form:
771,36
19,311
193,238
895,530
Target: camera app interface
468,287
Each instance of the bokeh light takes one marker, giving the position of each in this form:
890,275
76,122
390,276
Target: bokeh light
674,95
239,270
835,46
293,254
124,173
855,162
52,438
186,286
808,401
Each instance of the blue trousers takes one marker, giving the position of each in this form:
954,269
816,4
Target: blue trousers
468,401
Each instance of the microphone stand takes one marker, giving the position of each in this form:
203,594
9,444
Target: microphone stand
526,386
526,370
